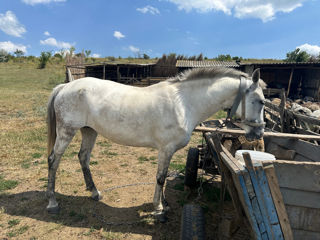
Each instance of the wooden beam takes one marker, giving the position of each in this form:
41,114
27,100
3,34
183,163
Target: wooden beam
237,132
290,79
278,202
282,109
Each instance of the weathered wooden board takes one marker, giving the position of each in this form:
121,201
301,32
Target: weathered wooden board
280,152
302,218
268,201
305,235
278,202
306,149
300,198
298,175
258,201
237,132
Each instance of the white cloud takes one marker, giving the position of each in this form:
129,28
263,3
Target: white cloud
54,43
10,24
149,9
262,9
118,35
12,47
310,49
134,49
47,33
34,2
96,55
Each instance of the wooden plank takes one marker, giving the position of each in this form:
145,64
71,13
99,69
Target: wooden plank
282,109
249,209
298,175
290,79
237,190
278,202
259,196
255,206
305,131
310,120
305,235
268,201
237,132
280,152
300,198
304,148
272,106
307,219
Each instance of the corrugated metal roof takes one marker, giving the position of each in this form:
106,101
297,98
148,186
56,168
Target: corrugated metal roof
198,64
280,63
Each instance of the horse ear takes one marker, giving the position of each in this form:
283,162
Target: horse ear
256,75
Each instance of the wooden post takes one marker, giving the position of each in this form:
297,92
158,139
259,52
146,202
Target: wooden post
282,108
289,84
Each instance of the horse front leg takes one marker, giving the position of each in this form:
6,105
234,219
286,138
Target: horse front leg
159,201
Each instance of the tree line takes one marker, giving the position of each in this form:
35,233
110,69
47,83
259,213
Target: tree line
296,55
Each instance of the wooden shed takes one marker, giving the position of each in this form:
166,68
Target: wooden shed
126,73
298,79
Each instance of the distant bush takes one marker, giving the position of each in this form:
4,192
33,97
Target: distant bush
111,58
4,56
44,58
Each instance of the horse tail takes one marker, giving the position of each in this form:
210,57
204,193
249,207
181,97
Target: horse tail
51,118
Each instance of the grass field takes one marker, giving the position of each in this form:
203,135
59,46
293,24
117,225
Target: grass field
123,213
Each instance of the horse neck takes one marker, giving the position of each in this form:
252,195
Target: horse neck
203,98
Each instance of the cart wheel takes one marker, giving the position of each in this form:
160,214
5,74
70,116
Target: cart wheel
192,223
190,178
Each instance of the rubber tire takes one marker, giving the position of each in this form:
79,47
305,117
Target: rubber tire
192,163
192,223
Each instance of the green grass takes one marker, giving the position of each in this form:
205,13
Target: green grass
142,159
18,231
177,166
7,184
221,114
13,222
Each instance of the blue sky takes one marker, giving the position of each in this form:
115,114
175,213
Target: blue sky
247,28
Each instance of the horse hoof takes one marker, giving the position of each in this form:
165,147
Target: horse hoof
53,210
97,197
161,217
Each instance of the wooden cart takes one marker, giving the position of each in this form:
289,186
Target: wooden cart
278,199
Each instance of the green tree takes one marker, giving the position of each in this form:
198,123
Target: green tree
4,56
223,57
88,53
44,58
19,53
145,56
297,56
72,50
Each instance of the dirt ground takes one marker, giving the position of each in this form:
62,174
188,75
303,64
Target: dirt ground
123,213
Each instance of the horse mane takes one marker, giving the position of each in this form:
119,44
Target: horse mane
207,73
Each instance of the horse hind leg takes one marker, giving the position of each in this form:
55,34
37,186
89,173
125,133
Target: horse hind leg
88,140
159,202
64,137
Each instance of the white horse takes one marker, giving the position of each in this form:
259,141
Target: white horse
160,116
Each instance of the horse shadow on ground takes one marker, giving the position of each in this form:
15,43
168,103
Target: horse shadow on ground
83,212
